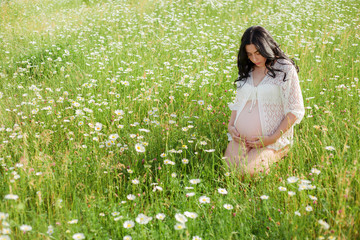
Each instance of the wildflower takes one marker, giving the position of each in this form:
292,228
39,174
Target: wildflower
135,181
139,148
168,162
204,199
210,150
115,213
108,143
119,112
190,194
324,224
315,171
330,148
173,175
228,206
127,237
50,230
157,188
179,226
3,216
308,208
114,136
73,221
196,238
292,179
143,219
6,231
118,218
98,127
194,181
180,218
264,197
291,193
298,213
222,191
313,198
25,228
131,197
192,215
144,130
302,187
78,236
185,161
160,216
203,143
331,237
304,181
282,189
201,102
129,224
4,237
11,196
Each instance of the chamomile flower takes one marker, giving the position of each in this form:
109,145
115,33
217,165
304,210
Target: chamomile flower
313,198
324,224
179,226
228,206
204,199
131,197
222,191
180,218
25,228
139,148
194,181
129,224
291,193
264,197
11,196
160,216
292,179
308,208
143,219
192,215
78,236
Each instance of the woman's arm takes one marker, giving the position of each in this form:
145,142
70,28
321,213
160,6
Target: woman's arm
231,127
263,141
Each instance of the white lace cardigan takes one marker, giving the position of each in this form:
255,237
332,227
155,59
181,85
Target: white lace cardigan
276,98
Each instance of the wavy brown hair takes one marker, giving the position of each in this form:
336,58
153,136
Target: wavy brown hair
266,46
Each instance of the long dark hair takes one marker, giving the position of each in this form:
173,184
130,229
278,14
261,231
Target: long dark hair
266,46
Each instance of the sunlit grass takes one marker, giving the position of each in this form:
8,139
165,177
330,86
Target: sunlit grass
159,75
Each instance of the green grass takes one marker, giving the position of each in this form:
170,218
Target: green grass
67,64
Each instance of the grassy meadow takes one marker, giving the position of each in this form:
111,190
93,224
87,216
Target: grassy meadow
113,121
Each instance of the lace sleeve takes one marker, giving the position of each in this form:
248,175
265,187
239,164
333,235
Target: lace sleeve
291,95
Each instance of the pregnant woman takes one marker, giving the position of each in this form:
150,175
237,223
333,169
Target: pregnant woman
267,106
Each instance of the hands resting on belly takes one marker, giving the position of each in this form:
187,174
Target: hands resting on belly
253,141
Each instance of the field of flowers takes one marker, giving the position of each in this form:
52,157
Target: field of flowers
113,121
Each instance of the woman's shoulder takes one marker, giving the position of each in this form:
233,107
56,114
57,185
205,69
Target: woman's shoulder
284,64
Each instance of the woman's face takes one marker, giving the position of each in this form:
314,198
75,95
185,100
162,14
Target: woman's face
255,56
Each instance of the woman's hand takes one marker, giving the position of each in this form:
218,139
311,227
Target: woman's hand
259,141
234,133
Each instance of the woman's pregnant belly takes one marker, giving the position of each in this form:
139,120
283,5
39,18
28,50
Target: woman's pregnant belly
248,123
